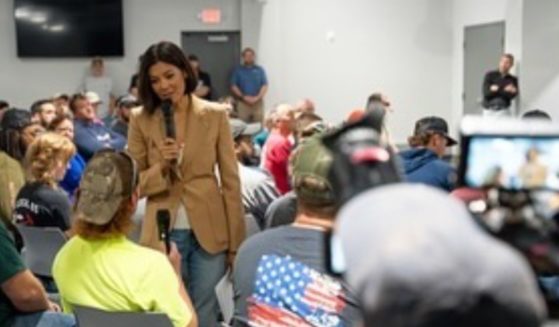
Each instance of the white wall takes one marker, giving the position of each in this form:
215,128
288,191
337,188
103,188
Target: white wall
540,78
401,47
145,22
476,12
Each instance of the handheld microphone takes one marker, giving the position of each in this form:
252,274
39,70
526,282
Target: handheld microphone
163,225
167,108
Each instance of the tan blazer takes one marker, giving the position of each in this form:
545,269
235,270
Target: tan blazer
215,212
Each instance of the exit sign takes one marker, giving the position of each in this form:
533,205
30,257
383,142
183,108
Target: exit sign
211,16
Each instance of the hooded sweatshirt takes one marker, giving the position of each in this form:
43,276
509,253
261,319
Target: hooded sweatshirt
423,166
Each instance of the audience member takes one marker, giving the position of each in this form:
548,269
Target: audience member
99,267
43,112
538,115
61,103
380,102
283,210
133,87
124,107
64,125
204,87
101,84
95,101
12,180
423,163
257,187
4,105
181,174
40,202
261,138
23,300
90,134
249,84
428,263
18,131
304,124
500,87
16,134
304,106
280,277
278,147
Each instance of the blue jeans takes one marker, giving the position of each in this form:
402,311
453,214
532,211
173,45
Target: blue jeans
44,319
201,271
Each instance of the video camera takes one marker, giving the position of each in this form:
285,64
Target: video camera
360,162
516,164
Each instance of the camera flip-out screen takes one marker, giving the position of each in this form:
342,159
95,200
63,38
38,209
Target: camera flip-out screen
511,155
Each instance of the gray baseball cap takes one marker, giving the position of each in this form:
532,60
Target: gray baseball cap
240,128
417,258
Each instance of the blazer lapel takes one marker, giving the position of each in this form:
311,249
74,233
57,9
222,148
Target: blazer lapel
157,129
196,125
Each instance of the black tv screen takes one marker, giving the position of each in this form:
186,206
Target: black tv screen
68,28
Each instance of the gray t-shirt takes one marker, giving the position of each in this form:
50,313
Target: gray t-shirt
258,192
280,279
282,211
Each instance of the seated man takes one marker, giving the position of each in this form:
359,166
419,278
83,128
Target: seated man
124,107
23,300
284,209
423,163
43,112
257,187
100,267
280,277
90,135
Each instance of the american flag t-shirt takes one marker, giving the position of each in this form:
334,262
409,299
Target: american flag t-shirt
289,293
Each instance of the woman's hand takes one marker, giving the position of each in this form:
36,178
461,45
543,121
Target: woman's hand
170,152
175,258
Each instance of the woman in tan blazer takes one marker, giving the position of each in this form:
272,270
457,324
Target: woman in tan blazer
194,176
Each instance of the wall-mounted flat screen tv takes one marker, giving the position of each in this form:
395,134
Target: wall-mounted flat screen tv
69,28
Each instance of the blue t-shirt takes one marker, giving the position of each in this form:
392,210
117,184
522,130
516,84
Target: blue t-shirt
249,79
73,175
91,137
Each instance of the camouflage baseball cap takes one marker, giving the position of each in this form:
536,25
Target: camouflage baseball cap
109,178
310,168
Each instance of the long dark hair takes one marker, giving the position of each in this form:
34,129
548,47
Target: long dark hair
11,141
168,53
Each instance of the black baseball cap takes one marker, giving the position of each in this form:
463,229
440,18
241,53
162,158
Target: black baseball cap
436,125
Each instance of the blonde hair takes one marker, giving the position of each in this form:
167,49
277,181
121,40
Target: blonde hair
43,156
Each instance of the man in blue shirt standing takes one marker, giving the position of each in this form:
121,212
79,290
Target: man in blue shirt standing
249,84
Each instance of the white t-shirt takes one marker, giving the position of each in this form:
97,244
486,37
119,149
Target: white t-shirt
103,86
